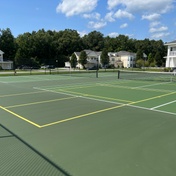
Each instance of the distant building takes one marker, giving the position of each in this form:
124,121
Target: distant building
171,54
117,59
93,58
6,65
122,59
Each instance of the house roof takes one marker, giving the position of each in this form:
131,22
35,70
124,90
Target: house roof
89,53
170,43
121,53
1,52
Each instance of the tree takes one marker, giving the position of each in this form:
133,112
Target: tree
104,57
83,58
123,43
139,54
45,47
151,60
7,43
158,59
94,41
24,51
140,63
73,61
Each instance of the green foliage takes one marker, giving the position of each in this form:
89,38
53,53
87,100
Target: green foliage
73,61
150,58
104,57
83,58
140,63
139,54
48,46
94,41
7,43
167,69
158,59
146,64
153,64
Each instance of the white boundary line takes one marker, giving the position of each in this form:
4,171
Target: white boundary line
80,96
163,105
154,110
112,102
149,85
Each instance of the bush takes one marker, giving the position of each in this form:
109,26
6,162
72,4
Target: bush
167,69
1,68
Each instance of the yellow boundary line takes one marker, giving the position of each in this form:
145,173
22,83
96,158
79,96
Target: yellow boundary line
103,110
23,118
159,96
83,115
11,95
40,102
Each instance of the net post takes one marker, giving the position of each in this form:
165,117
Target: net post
97,69
97,73
118,76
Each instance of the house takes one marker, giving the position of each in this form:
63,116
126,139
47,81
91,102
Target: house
118,59
171,54
122,59
93,58
6,65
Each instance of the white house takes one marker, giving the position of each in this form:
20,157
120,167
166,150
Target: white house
118,59
122,58
6,65
171,54
93,58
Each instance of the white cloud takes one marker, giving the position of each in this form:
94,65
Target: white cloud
129,35
82,33
123,14
97,25
160,35
92,16
151,17
113,3
152,6
75,7
109,17
124,25
160,29
113,34
154,24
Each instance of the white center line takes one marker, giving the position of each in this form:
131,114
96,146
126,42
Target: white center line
163,105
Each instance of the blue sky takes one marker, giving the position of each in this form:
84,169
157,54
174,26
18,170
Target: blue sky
153,19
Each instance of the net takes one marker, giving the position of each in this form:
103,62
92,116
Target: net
75,73
105,74
148,76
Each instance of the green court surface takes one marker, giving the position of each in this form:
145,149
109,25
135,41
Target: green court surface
87,126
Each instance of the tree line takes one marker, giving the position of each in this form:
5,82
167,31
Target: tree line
55,47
